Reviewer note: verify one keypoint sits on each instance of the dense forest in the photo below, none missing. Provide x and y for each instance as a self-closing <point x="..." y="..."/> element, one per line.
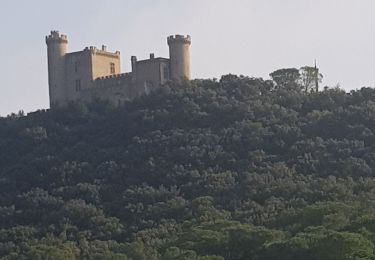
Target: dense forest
<point x="235" y="168"/>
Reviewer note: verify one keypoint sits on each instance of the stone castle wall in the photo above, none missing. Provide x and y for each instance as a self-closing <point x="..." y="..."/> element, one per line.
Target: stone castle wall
<point x="77" y="67"/>
<point x="94" y="73"/>
<point x="116" y="89"/>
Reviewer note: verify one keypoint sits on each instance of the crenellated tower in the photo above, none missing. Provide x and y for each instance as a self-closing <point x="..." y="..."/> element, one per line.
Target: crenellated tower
<point x="179" y="55"/>
<point x="56" y="51"/>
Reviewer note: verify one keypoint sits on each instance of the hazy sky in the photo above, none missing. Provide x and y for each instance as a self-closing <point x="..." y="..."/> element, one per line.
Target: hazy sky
<point x="249" y="37"/>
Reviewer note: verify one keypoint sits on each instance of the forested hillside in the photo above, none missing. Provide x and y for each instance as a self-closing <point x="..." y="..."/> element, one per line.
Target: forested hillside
<point x="236" y="168"/>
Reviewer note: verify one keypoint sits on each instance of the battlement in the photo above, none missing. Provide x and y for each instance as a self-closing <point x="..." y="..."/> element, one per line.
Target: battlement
<point x="103" y="51"/>
<point x="179" y="39"/>
<point x="115" y="76"/>
<point x="56" y="37"/>
<point x="122" y="80"/>
<point x="152" y="59"/>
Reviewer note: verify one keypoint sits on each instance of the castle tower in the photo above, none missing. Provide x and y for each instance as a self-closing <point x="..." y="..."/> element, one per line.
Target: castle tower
<point x="56" y="50"/>
<point x="179" y="55"/>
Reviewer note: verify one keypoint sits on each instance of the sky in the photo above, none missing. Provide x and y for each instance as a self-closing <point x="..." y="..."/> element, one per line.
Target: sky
<point x="244" y="37"/>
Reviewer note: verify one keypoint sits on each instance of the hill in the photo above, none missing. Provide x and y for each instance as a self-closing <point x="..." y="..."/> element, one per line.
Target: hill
<point x="239" y="168"/>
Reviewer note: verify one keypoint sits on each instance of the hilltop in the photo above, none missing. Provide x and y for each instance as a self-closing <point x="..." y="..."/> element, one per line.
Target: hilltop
<point x="236" y="168"/>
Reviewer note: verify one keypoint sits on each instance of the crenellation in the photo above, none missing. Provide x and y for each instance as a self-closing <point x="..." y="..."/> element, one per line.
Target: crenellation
<point x="122" y="75"/>
<point x="55" y="36"/>
<point x="107" y="53"/>
<point x="103" y="51"/>
<point x="151" y="60"/>
<point x="178" y="39"/>
<point x="95" y="73"/>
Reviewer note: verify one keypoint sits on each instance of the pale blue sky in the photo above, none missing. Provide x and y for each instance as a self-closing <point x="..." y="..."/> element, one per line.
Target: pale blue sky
<point x="250" y="37"/>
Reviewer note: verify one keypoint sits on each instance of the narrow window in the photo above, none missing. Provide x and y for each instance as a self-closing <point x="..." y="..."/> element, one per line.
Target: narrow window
<point x="78" y="85"/>
<point x="112" y="68"/>
<point x="166" y="73"/>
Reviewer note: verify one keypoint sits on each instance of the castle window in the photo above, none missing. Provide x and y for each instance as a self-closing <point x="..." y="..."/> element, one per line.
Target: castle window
<point x="78" y="85"/>
<point x="112" y="68"/>
<point x="76" y="66"/>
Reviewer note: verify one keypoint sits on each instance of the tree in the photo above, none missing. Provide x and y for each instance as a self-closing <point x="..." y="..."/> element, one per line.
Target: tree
<point x="310" y="78"/>
<point x="344" y="246"/>
<point x="287" y="78"/>
<point x="239" y="168"/>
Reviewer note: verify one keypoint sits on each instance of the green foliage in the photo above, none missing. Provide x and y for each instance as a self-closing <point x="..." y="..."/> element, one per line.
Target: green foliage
<point x="236" y="168"/>
<point x="286" y="78"/>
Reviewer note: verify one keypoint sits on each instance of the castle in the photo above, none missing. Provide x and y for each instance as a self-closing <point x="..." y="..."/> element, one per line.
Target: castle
<point x="94" y="73"/>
